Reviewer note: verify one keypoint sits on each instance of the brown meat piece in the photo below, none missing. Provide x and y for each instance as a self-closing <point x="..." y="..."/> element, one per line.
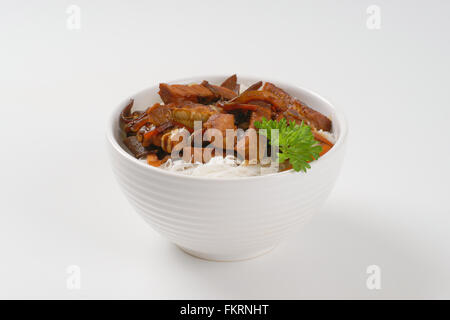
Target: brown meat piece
<point x="159" y="114"/>
<point x="171" y="139"/>
<point x="224" y="93"/>
<point x="197" y="93"/>
<point x="248" y="148"/>
<point x="134" y="125"/>
<point x="292" y="115"/>
<point x="187" y="114"/>
<point x="153" y="136"/>
<point x="280" y="93"/>
<point x="125" y="115"/>
<point x="254" y="86"/>
<point x="221" y="122"/>
<point x="231" y="83"/>
<point x="315" y="118"/>
<point x="180" y="92"/>
<point x="135" y="147"/>
<point x="310" y="116"/>
<point x="220" y="93"/>
<point x="259" y="114"/>
<point x="276" y="103"/>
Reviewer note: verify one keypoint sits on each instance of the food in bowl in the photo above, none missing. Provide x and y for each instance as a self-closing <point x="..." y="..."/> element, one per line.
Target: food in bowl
<point x="203" y="129"/>
<point x="219" y="218"/>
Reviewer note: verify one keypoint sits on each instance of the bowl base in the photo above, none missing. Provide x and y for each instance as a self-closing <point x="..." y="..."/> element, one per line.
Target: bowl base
<point x="227" y="257"/>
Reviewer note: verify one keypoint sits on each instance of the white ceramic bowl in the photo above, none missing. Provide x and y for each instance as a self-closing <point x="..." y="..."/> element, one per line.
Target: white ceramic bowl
<point x="226" y="219"/>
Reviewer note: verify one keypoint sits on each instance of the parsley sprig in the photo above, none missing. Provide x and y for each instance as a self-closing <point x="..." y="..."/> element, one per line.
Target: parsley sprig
<point x="296" y="143"/>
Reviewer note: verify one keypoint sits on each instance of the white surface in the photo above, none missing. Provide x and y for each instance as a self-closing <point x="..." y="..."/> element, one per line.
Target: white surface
<point x="61" y="206"/>
<point x="227" y="219"/>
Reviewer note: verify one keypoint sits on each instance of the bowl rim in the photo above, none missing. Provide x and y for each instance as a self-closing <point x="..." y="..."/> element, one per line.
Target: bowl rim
<point x="338" y="113"/>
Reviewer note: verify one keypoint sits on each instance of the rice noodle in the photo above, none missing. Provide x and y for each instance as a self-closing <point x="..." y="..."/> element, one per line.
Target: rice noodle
<point x="227" y="167"/>
<point x="328" y="135"/>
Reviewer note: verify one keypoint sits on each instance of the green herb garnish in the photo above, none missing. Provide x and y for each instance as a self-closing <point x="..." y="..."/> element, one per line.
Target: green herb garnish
<point x="296" y="143"/>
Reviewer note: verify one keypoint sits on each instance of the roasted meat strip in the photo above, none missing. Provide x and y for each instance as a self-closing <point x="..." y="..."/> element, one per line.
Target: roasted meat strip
<point x="204" y="93"/>
<point x="135" y="147"/>
<point x="221" y="122"/>
<point x="187" y="114"/>
<point x="231" y="83"/>
<point x="304" y="113"/>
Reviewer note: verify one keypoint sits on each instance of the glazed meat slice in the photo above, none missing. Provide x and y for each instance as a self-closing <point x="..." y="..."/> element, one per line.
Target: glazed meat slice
<point x="310" y="116"/>
<point x="231" y="83"/>
<point x="220" y="93"/>
<point x="153" y="135"/>
<point x="315" y="118"/>
<point x="254" y="86"/>
<point x="189" y="113"/>
<point x="198" y="93"/>
<point x="276" y="103"/>
<point x="277" y="91"/>
<point x="174" y="139"/>
<point x="126" y="116"/>
<point x="159" y="114"/>
<point x="137" y="123"/>
<point x="248" y="147"/>
<point x="264" y="111"/>
<point x="221" y="122"/>
<point x="177" y="93"/>
<point x="292" y="114"/>
<point x="225" y="94"/>
<point x="135" y="147"/>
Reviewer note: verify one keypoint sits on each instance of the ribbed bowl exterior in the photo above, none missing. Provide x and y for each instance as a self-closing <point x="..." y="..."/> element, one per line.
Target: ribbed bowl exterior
<point x="225" y="219"/>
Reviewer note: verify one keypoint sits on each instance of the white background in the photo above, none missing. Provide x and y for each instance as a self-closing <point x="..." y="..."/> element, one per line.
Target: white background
<point x="61" y="206"/>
